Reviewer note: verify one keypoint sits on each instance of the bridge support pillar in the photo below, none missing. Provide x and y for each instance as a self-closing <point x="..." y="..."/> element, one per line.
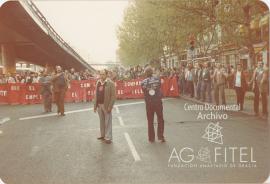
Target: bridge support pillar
<point x="8" y="58"/>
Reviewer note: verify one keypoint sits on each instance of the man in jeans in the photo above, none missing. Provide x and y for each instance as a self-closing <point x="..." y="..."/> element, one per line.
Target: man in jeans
<point x="103" y="103"/>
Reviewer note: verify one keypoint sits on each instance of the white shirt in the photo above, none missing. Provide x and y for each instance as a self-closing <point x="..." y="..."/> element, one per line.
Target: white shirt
<point x="35" y="80"/>
<point x="238" y="79"/>
<point x="11" y="80"/>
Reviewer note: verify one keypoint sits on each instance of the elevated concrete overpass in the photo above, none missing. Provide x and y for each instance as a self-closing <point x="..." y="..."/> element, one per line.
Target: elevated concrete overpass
<point x="25" y="34"/>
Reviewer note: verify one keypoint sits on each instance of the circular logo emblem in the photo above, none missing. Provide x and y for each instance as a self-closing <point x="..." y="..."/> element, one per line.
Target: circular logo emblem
<point x="152" y="92"/>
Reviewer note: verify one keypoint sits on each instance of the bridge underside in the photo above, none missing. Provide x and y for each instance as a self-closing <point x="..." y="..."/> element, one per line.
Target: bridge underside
<point x="22" y="38"/>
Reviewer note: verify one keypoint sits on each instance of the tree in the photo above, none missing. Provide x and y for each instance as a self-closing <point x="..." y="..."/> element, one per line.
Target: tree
<point x="153" y="29"/>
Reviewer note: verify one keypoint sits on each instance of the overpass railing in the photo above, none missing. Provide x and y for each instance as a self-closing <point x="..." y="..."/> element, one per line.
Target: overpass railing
<point x="50" y="31"/>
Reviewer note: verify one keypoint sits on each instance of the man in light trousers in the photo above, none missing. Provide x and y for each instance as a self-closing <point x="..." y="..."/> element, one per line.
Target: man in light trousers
<point x="103" y="103"/>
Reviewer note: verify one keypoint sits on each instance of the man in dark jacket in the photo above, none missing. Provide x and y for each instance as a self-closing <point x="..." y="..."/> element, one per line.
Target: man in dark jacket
<point x="60" y="85"/>
<point x="206" y="82"/>
<point x="240" y="85"/>
<point x="260" y="87"/>
<point x="152" y="95"/>
<point x="46" y="91"/>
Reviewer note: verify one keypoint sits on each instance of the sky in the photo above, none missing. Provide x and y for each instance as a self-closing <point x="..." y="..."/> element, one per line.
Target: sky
<point x="88" y="26"/>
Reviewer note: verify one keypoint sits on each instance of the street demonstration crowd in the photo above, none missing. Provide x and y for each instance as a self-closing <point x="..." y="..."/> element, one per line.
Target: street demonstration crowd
<point x="204" y="81"/>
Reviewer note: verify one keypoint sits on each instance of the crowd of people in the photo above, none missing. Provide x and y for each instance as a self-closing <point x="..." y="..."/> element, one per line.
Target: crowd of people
<point x="33" y="77"/>
<point x="205" y="81"/>
<point x="116" y="73"/>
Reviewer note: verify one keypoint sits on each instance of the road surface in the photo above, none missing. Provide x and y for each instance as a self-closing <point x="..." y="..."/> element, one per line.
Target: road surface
<point x="45" y="148"/>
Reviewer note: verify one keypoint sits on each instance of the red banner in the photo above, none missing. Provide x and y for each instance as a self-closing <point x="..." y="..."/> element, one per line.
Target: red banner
<point x="81" y="91"/>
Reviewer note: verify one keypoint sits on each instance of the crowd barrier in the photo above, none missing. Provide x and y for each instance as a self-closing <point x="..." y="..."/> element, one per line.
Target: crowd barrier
<point x="81" y="91"/>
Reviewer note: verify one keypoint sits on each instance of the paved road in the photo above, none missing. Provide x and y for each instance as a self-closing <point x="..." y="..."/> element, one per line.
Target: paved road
<point x="44" y="148"/>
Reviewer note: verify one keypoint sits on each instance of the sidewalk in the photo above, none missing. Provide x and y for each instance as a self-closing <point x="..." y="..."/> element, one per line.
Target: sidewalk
<point x="231" y="99"/>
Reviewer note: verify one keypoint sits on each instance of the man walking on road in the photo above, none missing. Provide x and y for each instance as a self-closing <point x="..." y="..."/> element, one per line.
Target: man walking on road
<point x="152" y="95"/>
<point x="103" y="103"/>
<point x="60" y="85"/>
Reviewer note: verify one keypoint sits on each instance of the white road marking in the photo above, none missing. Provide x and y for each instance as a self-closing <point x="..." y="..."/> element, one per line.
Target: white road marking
<point x="4" y="120"/>
<point x="132" y="147"/>
<point x="135" y="103"/>
<point x="115" y="127"/>
<point x="1" y="182"/>
<point x="121" y="122"/>
<point x="128" y="104"/>
<point x="268" y="180"/>
<point x="81" y="110"/>
<point x="54" y="114"/>
<point x="117" y="110"/>
<point x="1" y="132"/>
<point x="38" y="116"/>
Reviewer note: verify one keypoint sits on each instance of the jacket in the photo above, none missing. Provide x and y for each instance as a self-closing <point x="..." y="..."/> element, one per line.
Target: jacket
<point x="109" y="94"/>
<point x="264" y="84"/>
<point x="60" y="82"/>
<point x="244" y="84"/>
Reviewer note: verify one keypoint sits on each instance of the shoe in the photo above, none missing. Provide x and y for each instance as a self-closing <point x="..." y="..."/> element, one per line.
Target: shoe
<point x="100" y="138"/>
<point x="107" y="141"/>
<point x="162" y="140"/>
<point x="151" y="141"/>
<point x="63" y="114"/>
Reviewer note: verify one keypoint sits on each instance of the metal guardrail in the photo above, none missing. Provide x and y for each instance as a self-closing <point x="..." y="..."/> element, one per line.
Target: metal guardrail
<point x="60" y="41"/>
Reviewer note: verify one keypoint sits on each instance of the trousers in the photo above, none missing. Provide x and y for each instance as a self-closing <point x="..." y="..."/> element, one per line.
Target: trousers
<point x="105" y="122"/>
<point x="153" y="108"/>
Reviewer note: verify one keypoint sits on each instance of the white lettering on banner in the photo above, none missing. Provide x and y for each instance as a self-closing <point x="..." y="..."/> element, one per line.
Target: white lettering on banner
<point x="133" y="83"/>
<point x="15" y="88"/>
<point x="73" y="94"/>
<point x="3" y="93"/>
<point x="31" y="88"/>
<point x="91" y="93"/>
<point x="31" y="91"/>
<point x="85" y="85"/>
<point x="137" y="91"/>
<point x="120" y="92"/>
<point x="32" y="97"/>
